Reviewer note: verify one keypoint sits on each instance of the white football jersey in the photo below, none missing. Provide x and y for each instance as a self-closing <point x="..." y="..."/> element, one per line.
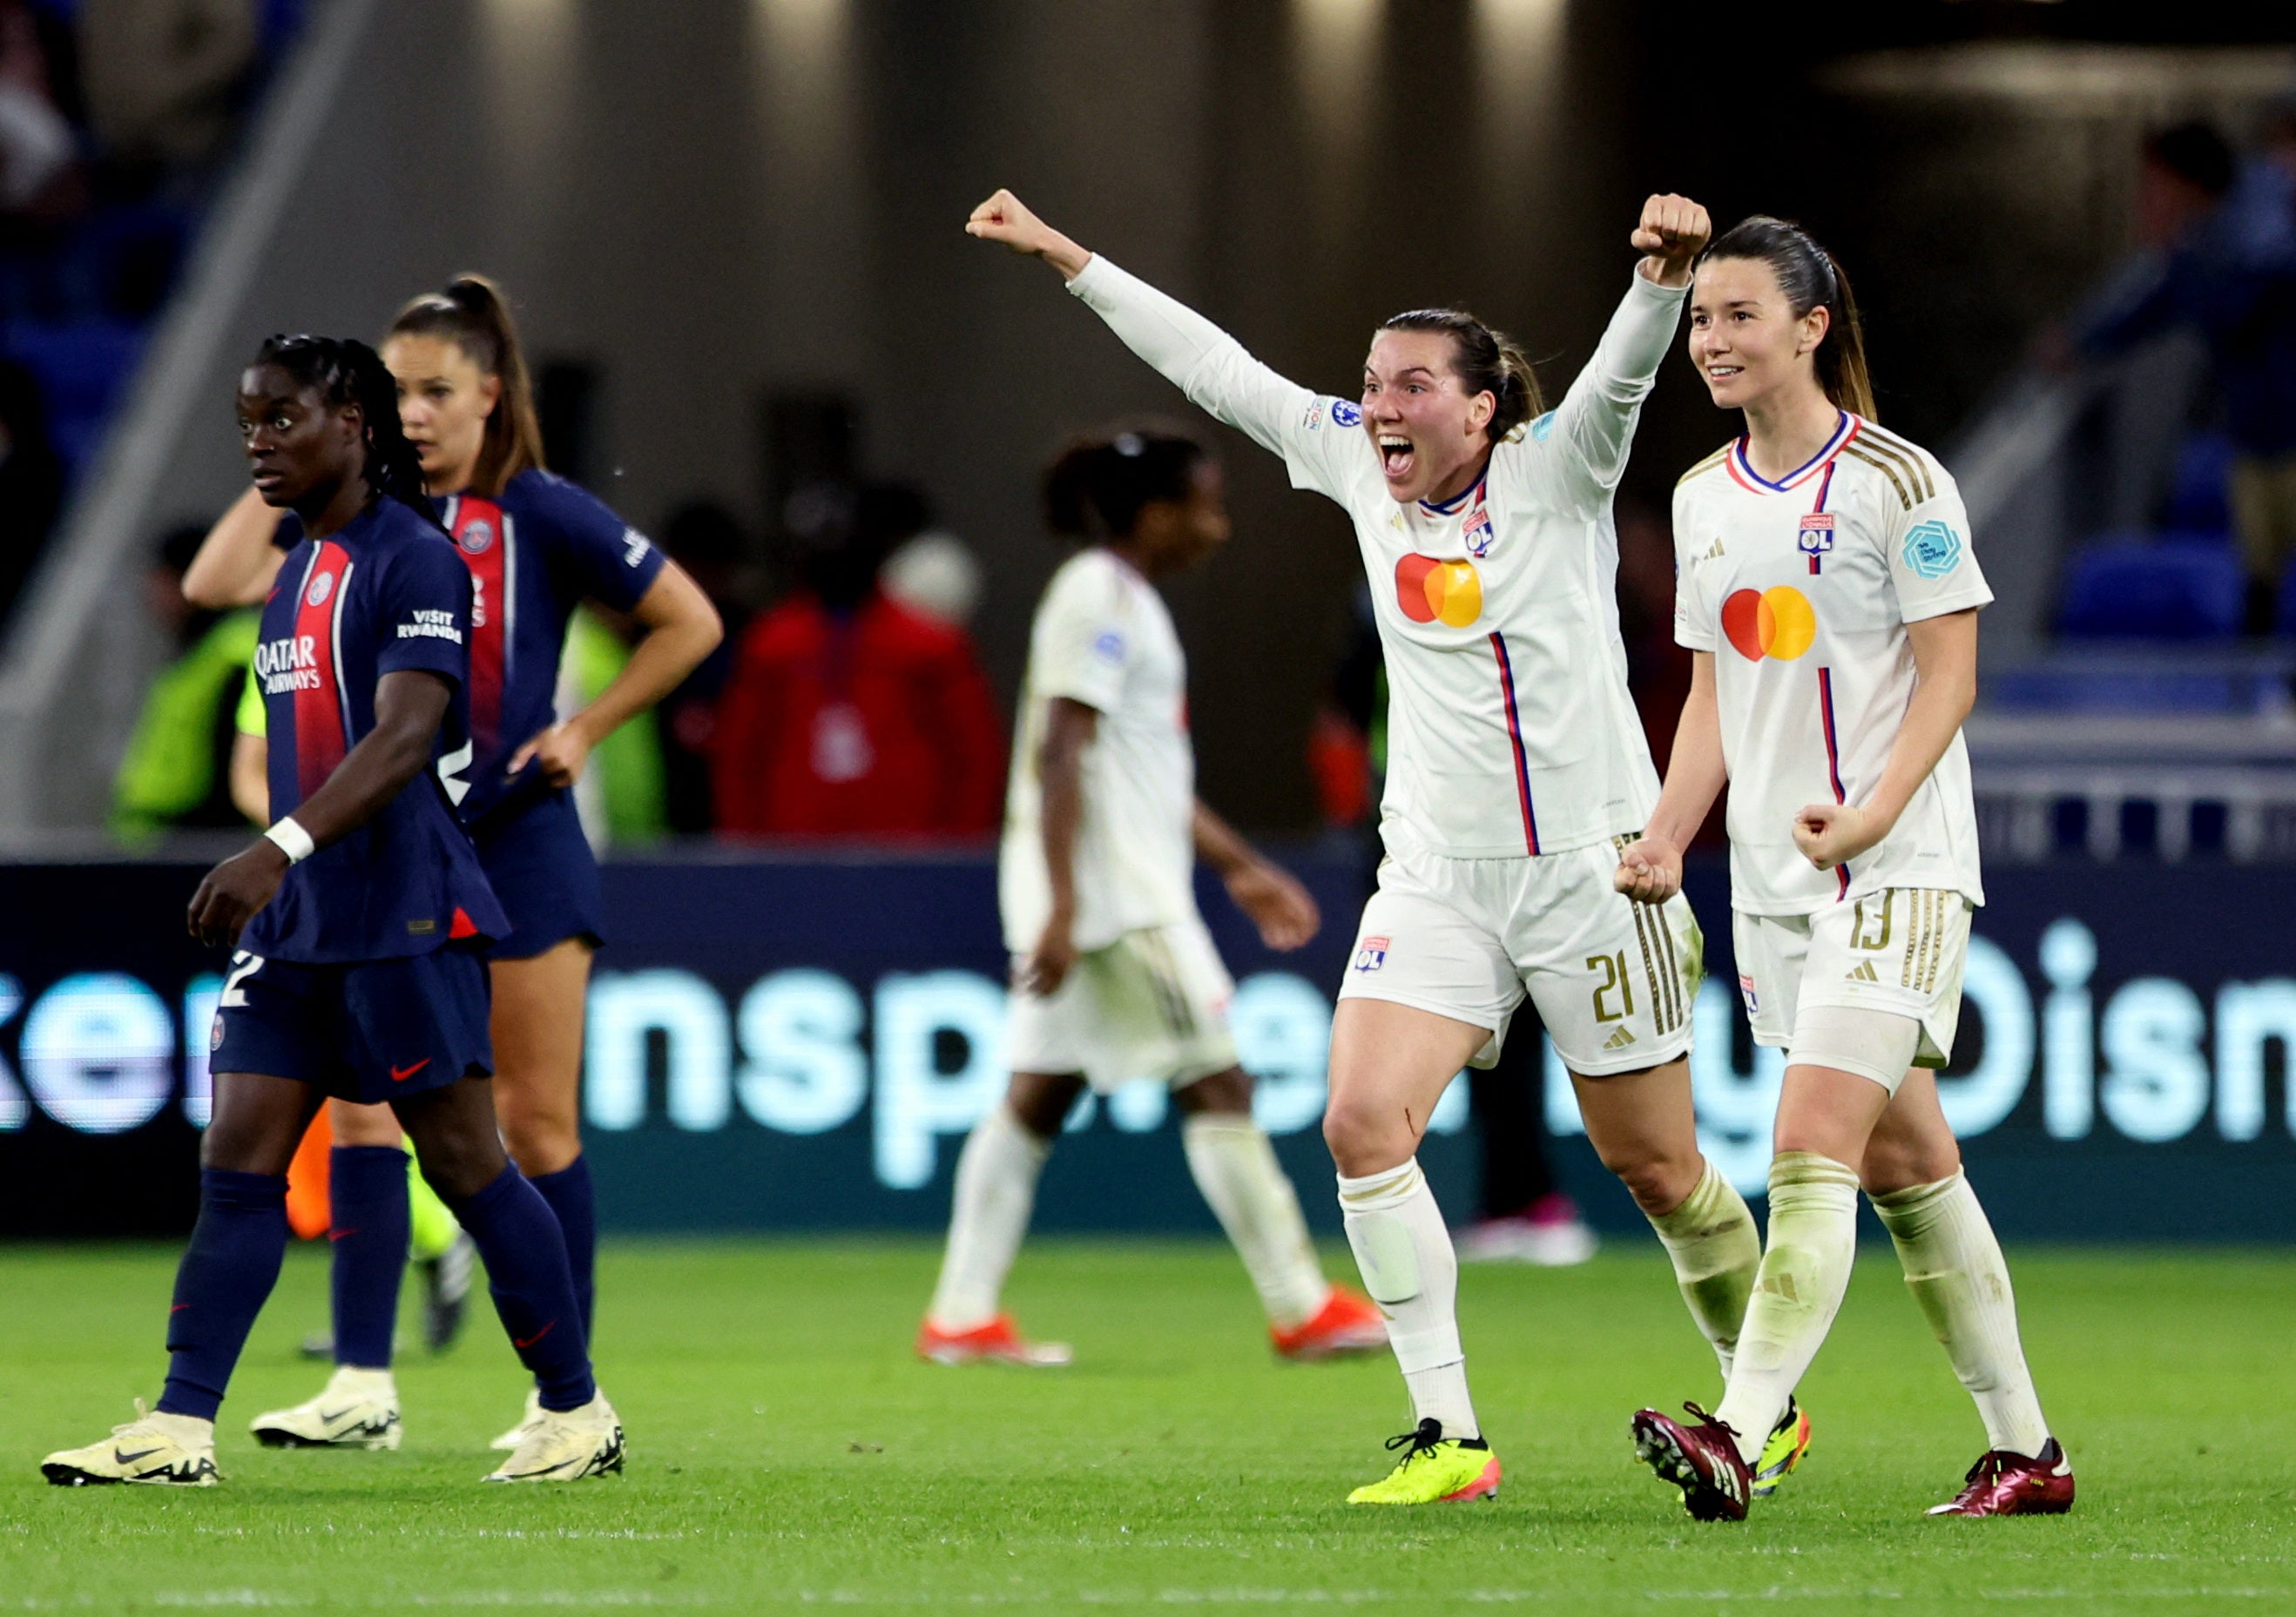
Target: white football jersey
<point x="1102" y="637"/>
<point x="1802" y="590"/>
<point x="1510" y="731"/>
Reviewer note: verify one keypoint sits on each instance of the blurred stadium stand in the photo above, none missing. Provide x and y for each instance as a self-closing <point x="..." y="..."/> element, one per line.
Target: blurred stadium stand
<point x="711" y="206"/>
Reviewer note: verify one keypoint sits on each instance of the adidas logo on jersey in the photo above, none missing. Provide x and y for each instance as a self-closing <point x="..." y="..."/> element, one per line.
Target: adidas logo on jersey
<point x="1619" y="1040"/>
<point x="1864" y="974"/>
<point x="1715" y="554"/>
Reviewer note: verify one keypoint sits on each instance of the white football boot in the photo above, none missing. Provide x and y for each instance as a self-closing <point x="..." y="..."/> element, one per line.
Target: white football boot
<point x="152" y="1448"/>
<point x="563" y="1445"/>
<point x="357" y="1409"/>
<point x="509" y="1440"/>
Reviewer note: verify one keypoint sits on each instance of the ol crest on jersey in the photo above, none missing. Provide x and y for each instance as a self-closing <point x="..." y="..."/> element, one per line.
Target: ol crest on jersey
<point x="1476" y="531"/>
<point x="1371" y="954"/>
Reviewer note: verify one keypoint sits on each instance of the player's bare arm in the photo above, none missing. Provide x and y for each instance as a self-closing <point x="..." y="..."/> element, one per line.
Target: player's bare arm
<point x="409" y="705"/>
<point x="1672" y="232"/>
<point x="1069" y="727"/>
<point x="1005" y="218"/>
<point x="237" y="562"/>
<point x="1650" y="869"/>
<point x="680" y="628"/>
<point x="1945" y="660"/>
<point x="1283" y="911"/>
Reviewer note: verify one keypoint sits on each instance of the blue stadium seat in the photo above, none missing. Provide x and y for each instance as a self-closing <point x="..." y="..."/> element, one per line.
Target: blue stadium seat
<point x="2198" y="498"/>
<point x="82" y="367"/>
<point x="2176" y="587"/>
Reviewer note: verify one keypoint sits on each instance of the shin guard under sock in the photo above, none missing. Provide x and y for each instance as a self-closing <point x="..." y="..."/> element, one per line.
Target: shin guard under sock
<point x="368" y="1229"/>
<point x="570" y="1197"/>
<point x="519" y="1241"/>
<point x="227" y="1271"/>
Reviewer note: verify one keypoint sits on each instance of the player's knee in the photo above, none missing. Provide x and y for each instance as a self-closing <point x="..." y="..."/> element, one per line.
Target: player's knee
<point x="1041" y="1101"/>
<point x="1365" y="1137"/>
<point x="1659" y="1179"/>
<point x="541" y="1140"/>
<point x="1901" y="1164"/>
<point x="1227" y="1093"/>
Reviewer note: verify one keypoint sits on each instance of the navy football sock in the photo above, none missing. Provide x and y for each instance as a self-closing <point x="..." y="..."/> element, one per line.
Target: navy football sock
<point x="227" y="1271"/>
<point x="519" y="1241"/>
<point x="369" y="1223"/>
<point x="570" y="1197"/>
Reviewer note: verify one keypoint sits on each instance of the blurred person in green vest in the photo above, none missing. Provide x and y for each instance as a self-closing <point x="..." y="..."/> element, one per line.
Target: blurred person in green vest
<point x="176" y="769"/>
<point x="621" y="797"/>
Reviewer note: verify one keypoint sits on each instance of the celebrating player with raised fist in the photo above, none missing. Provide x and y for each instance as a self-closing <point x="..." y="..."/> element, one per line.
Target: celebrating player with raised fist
<point x="1829" y="596"/>
<point x="1517" y="770"/>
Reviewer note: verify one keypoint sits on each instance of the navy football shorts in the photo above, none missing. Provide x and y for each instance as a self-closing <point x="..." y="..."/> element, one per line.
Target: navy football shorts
<point x="541" y="867"/>
<point x="373" y="1031"/>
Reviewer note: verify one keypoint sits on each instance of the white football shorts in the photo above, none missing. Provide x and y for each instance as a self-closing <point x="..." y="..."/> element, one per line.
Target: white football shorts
<point x="1899" y="950"/>
<point x="1467" y="938"/>
<point x="1153" y="1004"/>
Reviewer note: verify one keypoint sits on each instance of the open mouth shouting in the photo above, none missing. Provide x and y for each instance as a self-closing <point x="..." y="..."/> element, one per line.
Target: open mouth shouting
<point x="1395" y="456"/>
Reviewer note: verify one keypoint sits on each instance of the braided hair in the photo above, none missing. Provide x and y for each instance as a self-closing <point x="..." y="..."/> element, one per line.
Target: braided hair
<point x="344" y="370"/>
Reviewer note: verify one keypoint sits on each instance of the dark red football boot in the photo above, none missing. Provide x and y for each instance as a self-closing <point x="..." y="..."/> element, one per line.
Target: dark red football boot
<point x="2005" y="1484"/>
<point x="1701" y="1459"/>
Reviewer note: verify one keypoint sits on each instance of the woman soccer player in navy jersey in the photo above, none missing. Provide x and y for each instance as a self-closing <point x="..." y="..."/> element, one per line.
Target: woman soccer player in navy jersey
<point x="358" y="921"/>
<point x="535" y="547"/>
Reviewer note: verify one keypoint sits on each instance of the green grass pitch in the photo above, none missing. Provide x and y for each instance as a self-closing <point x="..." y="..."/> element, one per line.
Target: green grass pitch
<point x="786" y="1450"/>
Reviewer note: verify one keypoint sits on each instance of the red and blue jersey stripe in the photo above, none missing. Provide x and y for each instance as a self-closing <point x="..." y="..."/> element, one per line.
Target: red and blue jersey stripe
<point x="1514" y="735"/>
<point x="1832" y="764"/>
<point x="322" y="721"/>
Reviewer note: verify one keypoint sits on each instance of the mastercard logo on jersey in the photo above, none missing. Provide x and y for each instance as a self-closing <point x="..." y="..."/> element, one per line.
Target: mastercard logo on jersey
<point x="1434" y="591"/>
<point x="1777" y="621"/>
<point x="476" y="536"/>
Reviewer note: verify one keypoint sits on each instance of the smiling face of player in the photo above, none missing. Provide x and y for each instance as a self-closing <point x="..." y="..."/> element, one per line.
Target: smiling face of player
<point x="443" y="401"/>
<point x="1745" y="339"/>
<point x="1172" y="536"/>
<point x="1432" y="434"/>
<point x="301" y="450"/>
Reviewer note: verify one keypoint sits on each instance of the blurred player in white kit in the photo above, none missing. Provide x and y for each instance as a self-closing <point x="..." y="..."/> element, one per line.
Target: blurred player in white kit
<point x="1115" y="976"/>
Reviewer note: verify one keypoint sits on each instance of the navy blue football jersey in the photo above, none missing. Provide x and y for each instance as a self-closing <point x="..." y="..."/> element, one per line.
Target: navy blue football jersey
<point x="384" y="594"/>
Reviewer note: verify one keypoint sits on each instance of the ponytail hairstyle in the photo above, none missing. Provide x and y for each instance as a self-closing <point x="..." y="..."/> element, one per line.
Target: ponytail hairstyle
<point x="1485" y="361"/>
<point x="343" y="371"/>
<point x="1810" y="278"/>
<point x="1097" y="486"/>
<point x="473" y="315"/>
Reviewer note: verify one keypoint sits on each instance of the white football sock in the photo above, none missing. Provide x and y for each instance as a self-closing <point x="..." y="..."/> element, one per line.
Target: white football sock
<point x="996" y="1191"/>
<point x="1716" y="1250"/>
<point x="1235" y="1168"/>
<point x="1797" y="1291"/>
<point x="1404" y="1252"/>
<point x="1956" y="1271"/>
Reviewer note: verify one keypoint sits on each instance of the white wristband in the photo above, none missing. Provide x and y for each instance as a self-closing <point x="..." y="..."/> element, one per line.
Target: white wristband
<point x="292" y="840"/>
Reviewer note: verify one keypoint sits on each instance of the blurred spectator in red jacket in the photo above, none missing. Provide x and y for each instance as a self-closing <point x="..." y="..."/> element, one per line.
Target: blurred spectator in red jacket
<point x="849" y="714"/>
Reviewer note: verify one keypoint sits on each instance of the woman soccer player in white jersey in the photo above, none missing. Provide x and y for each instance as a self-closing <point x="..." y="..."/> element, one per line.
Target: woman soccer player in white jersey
<point x="1517" y="768"/>
<point x="1114" y="975"/>
<point x="1829" y="595"/>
